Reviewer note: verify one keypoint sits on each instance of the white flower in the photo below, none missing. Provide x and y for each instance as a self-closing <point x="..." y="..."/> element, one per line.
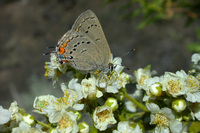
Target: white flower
<point x="25" y="128"/>
<point x="175" y="84"/>
<point x="113" y="80"/>
<point x="193" y="94"/>
<point x="53" y="66"/>
<point x="15" y="118"/>
<point x="117" y="81"/>
<point x="4" y="115"/>
<point x="41" y="102"/>
<point x="112" y="83"/>
<point x="117" y="64"/>
<point x="141" y="76"/>
<point x="89" y="89"/>
<point x="164" y="119"/>
<point x="73" y="85"/>
<point x="124" y="79"/>
<point x="195" y="58"/>
<point x="56" y="105"/>
<point x="73" y="94"/>
<point x="15" y="112"/>
<point x="130" y="106"/>
<point x="103" y="116"/>
<point x="51" y="105"/>
<point x="123" y="127"/>
<point x="153" y="88"/>
<point x="66" y="122"/>
<point x="182" y="84"/>
<point x="195" y="110"/>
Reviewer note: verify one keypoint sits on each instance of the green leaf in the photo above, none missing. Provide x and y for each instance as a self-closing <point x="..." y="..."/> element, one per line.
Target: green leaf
<point x="198" y="32"/>
<point x="194" y="127"/>
<point x="194" y="47"/>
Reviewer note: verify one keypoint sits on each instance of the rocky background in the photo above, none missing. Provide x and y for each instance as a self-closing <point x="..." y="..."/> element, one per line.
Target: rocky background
<point x="27" y="27"/>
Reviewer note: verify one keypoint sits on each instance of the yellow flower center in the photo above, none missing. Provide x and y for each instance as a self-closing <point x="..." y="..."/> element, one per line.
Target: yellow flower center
<point x="103" y="115"/>
<point x="63" y="101"/>
<point x="192" y="83"/>
<point x="161" y="120"/>
<point x="42" y="105"/>
<point x="142" y="79"/>
<point x="174" y="86"/>
<point x="65" y="122"/>
<point x="87" y="85"/>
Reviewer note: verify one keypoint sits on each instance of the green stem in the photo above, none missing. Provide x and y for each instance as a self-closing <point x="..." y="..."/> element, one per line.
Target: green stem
<point x="43" y="124"/>
<point x="135" y="102"/>
<point x="93" y="129"/>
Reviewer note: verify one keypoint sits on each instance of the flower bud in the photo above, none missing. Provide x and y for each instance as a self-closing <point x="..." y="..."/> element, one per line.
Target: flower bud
<point x="156" y="89"/>
<point x="29" y="119"/>
<point x="112" y="102"/>
<point x="83" y="127"/>
<point x="179" y="105"/>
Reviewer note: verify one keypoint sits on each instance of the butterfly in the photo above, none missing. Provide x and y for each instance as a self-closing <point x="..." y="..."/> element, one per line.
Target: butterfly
<point x="85" y="46"/>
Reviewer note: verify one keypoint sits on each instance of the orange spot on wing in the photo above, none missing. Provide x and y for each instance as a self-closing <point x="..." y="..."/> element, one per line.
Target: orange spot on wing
<point x="61" y="50"/>
<point x="64" y="45"/>
<point x="64" y="61"/>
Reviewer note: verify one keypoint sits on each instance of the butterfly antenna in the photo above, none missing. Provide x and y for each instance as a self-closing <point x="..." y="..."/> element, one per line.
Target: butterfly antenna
<point x="128" y="52"/>
<point x="128" y="68"/>
<point x="50" y="47"/>
<point x="125" y="55"/>
<point x="49" y="53"/>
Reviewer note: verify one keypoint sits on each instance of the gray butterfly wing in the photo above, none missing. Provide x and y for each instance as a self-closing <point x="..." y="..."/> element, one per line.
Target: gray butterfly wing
<point x="88" y="24"/>
<point x="79" y="50"/>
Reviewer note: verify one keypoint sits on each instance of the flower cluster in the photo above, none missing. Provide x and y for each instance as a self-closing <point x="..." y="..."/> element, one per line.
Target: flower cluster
<point x="172" y="98"/>
<point x="15" y="119"/>
<point x="98" y="101"/>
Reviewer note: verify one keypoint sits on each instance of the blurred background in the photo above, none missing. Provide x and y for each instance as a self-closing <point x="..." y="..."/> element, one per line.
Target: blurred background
<point x="164" y="33"/>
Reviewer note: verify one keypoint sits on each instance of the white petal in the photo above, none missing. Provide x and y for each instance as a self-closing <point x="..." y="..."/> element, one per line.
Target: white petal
<point x="193" y="97"/>
<point x="167" y="112"/>
<point x="4" y="115"/>
<point x="161" y="130"/>
<point x="195" y="58"/>
<point x="54" y="116"/>
<point x="112" y="89"/>
<point x="146" y="98"/>
<point x="77" y="87"/>
<point x="197" y="95"/>
<point x="175" y="126"/>
<point x="154" y="108"/>
<point x="197" y="115"/>
<point x="137" y="129"/>
<point x="78" y="106"/>
<point x="71" y="83"/>
<point x="130" y="106"/>
<point x="99" y="94"/>
<point x="115" y="131"/>
<point x="122" y="126"/>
